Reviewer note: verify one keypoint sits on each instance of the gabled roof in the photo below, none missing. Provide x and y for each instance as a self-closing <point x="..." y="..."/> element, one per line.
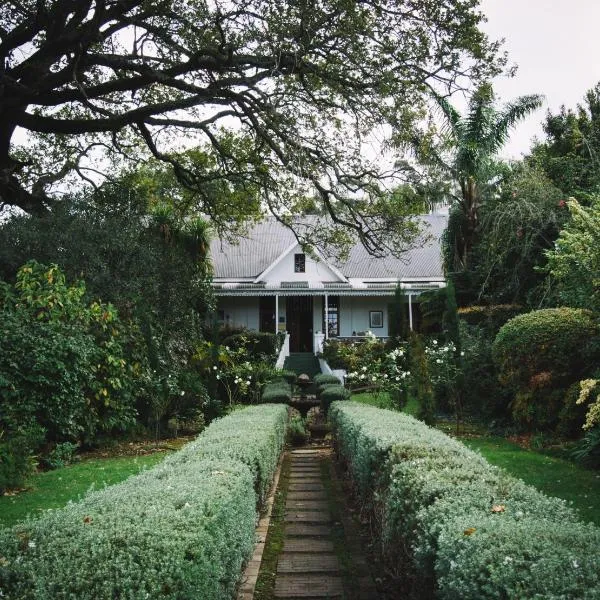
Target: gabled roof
<point x="269" y="240"/>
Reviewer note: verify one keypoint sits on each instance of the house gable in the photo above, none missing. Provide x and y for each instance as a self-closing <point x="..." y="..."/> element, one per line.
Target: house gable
<point x="316" y="269"/>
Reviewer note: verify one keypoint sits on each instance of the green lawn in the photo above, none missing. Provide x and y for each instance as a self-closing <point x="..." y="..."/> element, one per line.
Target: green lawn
<point x="552" y="475"/>
<point x="53" y="489"/>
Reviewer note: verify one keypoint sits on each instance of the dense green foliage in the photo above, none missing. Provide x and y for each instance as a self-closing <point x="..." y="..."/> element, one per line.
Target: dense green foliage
<point x="64" y="376"/>
<point x="539" y="355"/>
<point x="520" y="220"/>
<point x="491" y="318"/>
<point x="181" y="529"/>
<point x="461" y="528"/>
<point x="258" y="345"/>
<point x="574" y="263"/>
<point x="474" y="139"/>
<point x="569" y="154"/>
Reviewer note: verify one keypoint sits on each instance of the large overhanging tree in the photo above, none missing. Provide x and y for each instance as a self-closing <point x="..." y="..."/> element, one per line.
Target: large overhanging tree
<point x="279" y="95"/>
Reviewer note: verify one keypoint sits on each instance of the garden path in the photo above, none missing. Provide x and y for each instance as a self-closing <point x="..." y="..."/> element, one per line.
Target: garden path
<point x="321" y="556"/>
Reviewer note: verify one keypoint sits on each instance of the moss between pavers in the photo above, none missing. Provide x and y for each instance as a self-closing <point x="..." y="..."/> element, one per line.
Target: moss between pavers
<point x="265" y="584"/>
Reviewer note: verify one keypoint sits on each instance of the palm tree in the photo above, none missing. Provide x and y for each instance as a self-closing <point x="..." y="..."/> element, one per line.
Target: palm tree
<point x="475" y="140"/>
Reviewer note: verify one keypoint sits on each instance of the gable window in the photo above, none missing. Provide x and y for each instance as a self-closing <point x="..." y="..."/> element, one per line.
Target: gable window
<point x="299" y="263"/>
<point x="333" y="316"/>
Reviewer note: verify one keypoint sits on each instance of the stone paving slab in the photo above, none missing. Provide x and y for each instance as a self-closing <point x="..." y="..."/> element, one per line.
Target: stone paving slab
<point x="304" y="495"/>
<point x="307" y="529"/>
<point x="301" y="562"/>
<point x="304" y="479"/>
<point x="321" y="505"/>
<point x="308" y="586"/>
<point x="306" y="516"/>
<point x="305" y="469"/>
<point x="306" y="487"/>
<point x="308" y="544"/>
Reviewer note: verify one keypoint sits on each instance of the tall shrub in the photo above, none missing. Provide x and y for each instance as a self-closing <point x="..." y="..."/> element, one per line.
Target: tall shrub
<point x="539" y="355"/>
<point x="423" y="388"/>
<point x="62" y="365"/>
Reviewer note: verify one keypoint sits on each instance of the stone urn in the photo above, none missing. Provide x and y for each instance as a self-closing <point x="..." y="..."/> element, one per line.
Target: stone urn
<point x="303" y="382"/>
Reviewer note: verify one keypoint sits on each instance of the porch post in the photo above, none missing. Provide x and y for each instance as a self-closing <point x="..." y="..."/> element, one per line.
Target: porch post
<point x="410" y="316"/>
<point x="326" y="332"/>
<point x="276" y="313"/>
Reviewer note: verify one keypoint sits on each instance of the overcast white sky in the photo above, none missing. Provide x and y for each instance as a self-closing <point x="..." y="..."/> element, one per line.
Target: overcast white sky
<point x="556" y="44"/>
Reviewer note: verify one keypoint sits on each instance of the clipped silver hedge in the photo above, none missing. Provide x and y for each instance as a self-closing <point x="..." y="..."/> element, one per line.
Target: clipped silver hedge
<point x="182" y="529"/>
<point x="463" y="528"/>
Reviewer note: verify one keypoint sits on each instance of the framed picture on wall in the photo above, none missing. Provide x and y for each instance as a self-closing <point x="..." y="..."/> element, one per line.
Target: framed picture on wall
<point x="375" y="319"/>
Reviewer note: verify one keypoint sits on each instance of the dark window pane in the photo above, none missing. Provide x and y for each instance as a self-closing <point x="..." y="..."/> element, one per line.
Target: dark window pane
<point x="333" y="316"/>
<point x="299" y="263"/>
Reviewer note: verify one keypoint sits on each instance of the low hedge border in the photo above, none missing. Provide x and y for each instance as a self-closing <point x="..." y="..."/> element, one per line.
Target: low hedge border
<point x="324" y="378"/>
<point x="180" y="530"/>
<point x="460" y="527"/>
<point x="277" y="391"/>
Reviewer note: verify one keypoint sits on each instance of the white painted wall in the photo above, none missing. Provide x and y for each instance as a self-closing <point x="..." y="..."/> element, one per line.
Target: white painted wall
<point x="354" y="314"/>
<point x="315" y="270"/>
<point x="240" y="311"/>
<point x="318" y="302"/>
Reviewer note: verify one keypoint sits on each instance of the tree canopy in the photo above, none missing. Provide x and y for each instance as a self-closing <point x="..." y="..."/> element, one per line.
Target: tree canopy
<point x="468" y="152"/>
<point x="277" y="95"/>
<point x="570" y="154"/>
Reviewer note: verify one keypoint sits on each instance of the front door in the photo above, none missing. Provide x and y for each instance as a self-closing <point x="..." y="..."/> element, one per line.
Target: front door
<point x="299" y="310"/>
<point x="266" y="311"/>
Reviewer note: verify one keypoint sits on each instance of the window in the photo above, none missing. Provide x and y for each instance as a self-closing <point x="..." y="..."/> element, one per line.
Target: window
<point x="375" y="319"/>
<point x="333" y="316"/>
<point x="299" y="263"/>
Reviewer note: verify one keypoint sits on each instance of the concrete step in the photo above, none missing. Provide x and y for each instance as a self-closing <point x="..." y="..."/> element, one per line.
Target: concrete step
<point x="310" y="545"/>
<point x="306" y="516"/>
<point x="302" y="562"/>
<point x="309" y="587"/>
<point x="307" y="530"/>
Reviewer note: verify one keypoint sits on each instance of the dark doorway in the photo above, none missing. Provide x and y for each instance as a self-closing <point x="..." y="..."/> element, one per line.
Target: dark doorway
<point x="299" y="310"/>
<point x="266" y="312"/>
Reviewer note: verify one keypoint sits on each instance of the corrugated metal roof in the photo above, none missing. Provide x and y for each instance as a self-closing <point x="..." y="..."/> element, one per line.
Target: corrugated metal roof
<point x="269" y="239"/>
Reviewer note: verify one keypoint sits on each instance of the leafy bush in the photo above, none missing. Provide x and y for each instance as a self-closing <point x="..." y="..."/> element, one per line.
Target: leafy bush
<point x="332" y="393"/>
<point x="455" y="525"/>
<point x="539" y="355"/>
<point x="62" y="365"/>
<point x="289" y="376"/>
<point x="323" y="378"/>
<point x="17" y="454"/>
<point x="278" y="391"/>
<point x="483" y="395"/>
<point x="257" y="344"/>
<point x="180" y="530"/>
<point x="491" y="318"/>
<point x="60" y="456"/>
<point x="297" y="432"/>
<point x="349" y="355"/>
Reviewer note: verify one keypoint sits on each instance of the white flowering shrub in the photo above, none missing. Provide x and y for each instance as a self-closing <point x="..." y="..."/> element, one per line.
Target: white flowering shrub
<point x="433" y="493"/>
<point x="180" y="530"/>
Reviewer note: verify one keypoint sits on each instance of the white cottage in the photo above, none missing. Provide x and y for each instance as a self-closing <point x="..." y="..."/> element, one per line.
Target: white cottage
<point x="266" y="282"/>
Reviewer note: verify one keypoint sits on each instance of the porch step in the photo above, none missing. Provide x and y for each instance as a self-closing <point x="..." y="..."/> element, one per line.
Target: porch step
<point x="302" y="362"/>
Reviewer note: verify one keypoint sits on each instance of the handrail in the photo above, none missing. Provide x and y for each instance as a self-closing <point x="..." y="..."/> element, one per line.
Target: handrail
<point x="284" y="352"/>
